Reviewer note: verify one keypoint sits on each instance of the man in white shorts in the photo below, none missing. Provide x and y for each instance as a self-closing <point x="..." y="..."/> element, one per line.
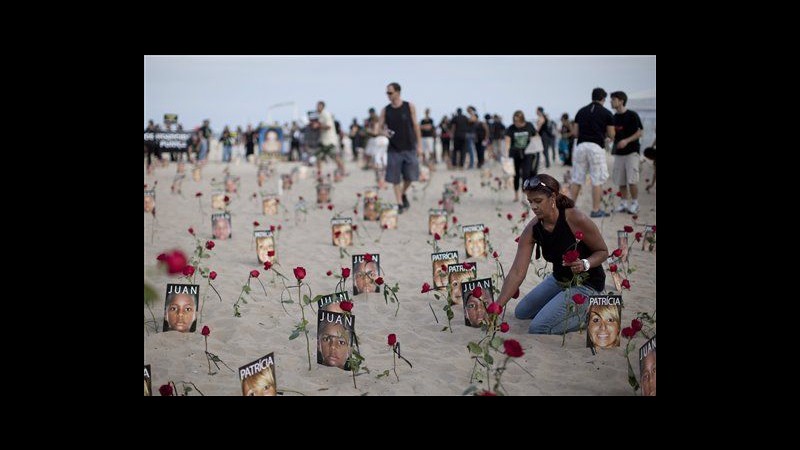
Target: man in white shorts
<point x="594" y="124"/>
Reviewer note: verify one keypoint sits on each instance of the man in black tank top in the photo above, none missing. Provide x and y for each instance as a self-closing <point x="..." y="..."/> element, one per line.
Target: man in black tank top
<point x="399" y="123"/>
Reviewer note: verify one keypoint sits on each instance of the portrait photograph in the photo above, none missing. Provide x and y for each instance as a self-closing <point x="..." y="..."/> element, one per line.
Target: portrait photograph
<point x="221" y="226"/>
<point x="365" y="273"/>
<point x="218" y="201"/>
<point x="647" y="367"/>
<point x="180" y="307"/>
<point x="258" y="377"/>
<point x="342" y="234"/>
<point x="371" y="205"/>
<point x="270" y="205"/>
<point x="475" y="307"/>
<point x="389" y="217"/>
<point x="323" y="193"/>
<point x="149" y="201"/>
<point x="603" y="326"/>
<point x="437" y="221"/>
<point x="456" y="276"/>
<point x="334" y="339"/>
<point x="439" y="263"/>
<point x="475" y="241"/>
<point x="265" y="243"/>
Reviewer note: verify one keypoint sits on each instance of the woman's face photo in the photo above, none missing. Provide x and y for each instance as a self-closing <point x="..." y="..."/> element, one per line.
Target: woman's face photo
<point x="389" y="219"/>
<point x="270" y="206"/>
<point x="604" y="326"/>
<point x="456" y="278"/>
<point x="323" y="195"/>
<point x="259" y="385"/>
<point x="218" y="201"/>
<point x="180" y="312"/>
<point x="436" y="224"/>
<point x="263" y="246"/>
<point x="222" y="229"/>
<point x="345" y="237"/>
<point x="476" y="244"/>
<point x="149" y="203"/>
<point x="440" y="272"/>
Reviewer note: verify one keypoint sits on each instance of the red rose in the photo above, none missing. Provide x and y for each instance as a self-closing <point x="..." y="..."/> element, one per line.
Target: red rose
<point x="355" y="211"/>
<point x="628" y="229"/>
<point x="165" y="390"/>
<point x="279" y="227"/>
<point x="385" y="227"/>
<point x="379" y="281"/>
<point x="255" y="223"/>
<point x="579" y="299"/>
<point x="176" y="261"/>
<point x="494" y="254"/>
<point x="267" y="265"/>
<point x="346" y="306"/>
<point x="467" y="266"/>
<point x="486" y="230"/>
<point x="329" y="273"/>
<point x="199" y="194"/>
<point x="517" y="239"/>
<point x="524" y="215"/>
<point x="299" y="272"/>
<point x="436" y="237"/>
<point x="504" y="327"/>
<point x="355" y="227"/>
<point x="212" y="275"/>
<point x="494" y="308"/>
<point x="226" y="199"/>
<point x="358" y="194"/>
<point x="516" y="294"/>
<point x="425" y="287"/>
<point x="391" y="339"/>
<point x="330" y="207"/>
<point x="477" y="292"/>
<point x="612" y="268"/>
<point x="654" y="228"/>
<point x="271" y="253"/>
<point x="254" y="273"/>
<point x="487" y="394"/>
<point x="571" y="256"/>
<point x="626" y="284"/>
<point x="444" y="268"/>
<point x="619" y="194"/>
<point x="188" y="270"/>
<point x="617" y="252"/>
<point x="455" y="219"/>
<point x="206" y="331"/>
<point x="272" y="228"/>
<point x="513" y="348"/>
<point x="345" y="272"/>
<point x="210" y="245"/>
<point x="579" y="235"/>
<point x="636" y="324"/>
<point x="634" y="217"/>
<point x="191" y="231"/>
<point x="440" y="202"/>
<point x="367" y="257"/>
<point x="628" y="332"/>
<point x="638" y="236"/>
<point x="336" y="234"/>
<point x="509" y="216"/>
<point x="162" y="257"/>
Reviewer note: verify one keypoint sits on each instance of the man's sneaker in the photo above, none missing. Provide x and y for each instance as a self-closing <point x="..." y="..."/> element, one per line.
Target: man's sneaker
<point x="599" y="213"/>
<point x="405" y="202"/>
<point x="634" y="208"/>
<point x="621" y="209"/>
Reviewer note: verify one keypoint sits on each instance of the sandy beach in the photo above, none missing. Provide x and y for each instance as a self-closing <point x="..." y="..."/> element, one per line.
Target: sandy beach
<point x="441" y="361"/>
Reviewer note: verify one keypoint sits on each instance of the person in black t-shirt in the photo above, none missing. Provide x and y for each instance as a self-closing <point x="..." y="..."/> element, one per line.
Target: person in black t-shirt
<point x="628" y="128"/>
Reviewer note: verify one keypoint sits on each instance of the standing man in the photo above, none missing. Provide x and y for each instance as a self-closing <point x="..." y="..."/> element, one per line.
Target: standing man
<point x="401" y="127"/>
<point x="328" y="140"/>
<point x="628" y="128"/>
<point x="428" y="133"/>
<point x="593" y="124"/>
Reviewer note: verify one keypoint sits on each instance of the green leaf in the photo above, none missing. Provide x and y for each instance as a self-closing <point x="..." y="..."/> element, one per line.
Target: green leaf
<point x="444" y="329"/>
<point x="470" y="390"/>
<point x="206" y="256"/>
<point x="488" y="358"/>
<point x="497" y="341"/>
<point x="475" y="348"/>
<point x="294" y="334"/>
<point x="150" y="294"/>
<point x="287" y="301"/>
<point x="385" y="373"/>
<point x="246" y="288"/>
<point x="436" y="296"/>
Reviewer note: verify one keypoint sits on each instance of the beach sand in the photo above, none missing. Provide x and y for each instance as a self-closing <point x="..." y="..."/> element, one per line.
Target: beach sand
<point x="442" y="363"/>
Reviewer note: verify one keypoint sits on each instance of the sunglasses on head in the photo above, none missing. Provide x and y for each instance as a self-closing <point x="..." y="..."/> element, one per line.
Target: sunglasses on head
<point x="534" y="183"/>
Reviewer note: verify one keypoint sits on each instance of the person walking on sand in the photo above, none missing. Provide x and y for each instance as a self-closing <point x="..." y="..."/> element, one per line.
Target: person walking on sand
<point x="399" y="123"/>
